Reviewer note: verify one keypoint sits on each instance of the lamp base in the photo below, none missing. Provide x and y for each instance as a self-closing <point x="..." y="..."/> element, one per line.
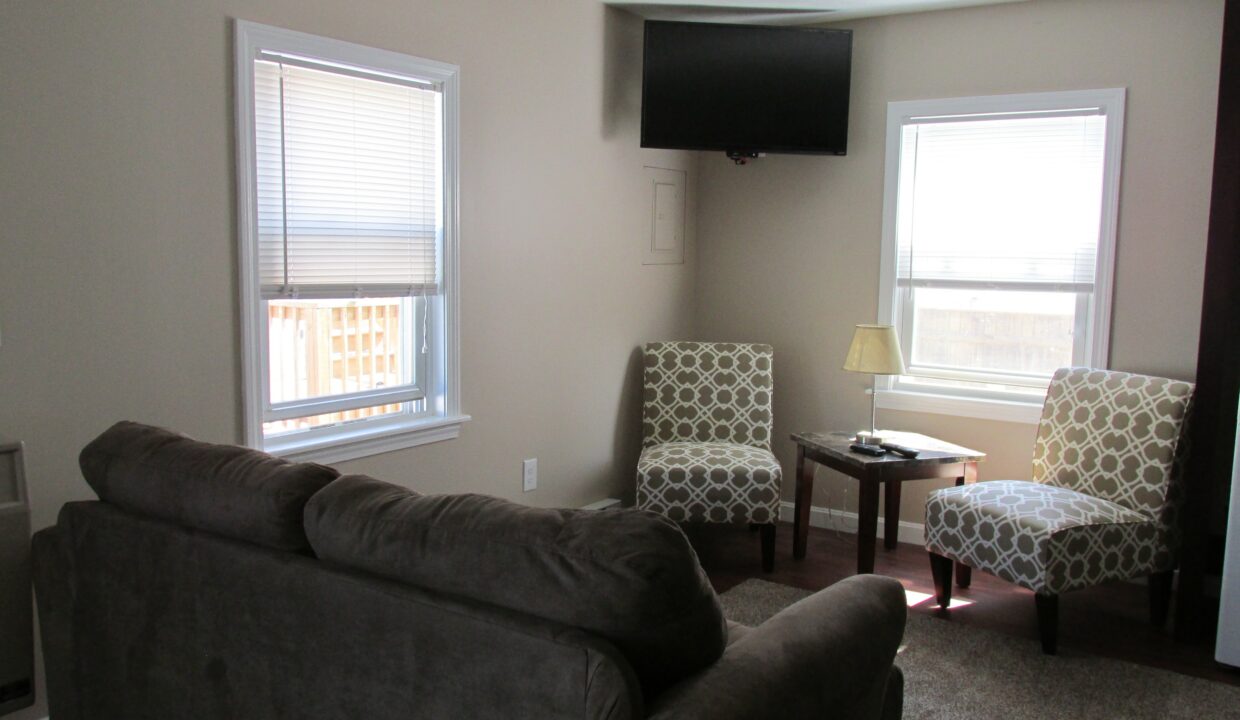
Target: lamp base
<point x="868" y="438"/>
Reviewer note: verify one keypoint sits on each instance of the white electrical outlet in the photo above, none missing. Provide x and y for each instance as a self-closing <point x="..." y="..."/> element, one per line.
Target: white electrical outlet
<point x="529" y="474"/>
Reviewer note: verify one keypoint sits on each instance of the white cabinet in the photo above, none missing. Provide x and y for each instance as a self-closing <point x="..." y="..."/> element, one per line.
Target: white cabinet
<point x="666" y="242"/>
<point x="1227" y="649"/>
<point x="16" y="631"/>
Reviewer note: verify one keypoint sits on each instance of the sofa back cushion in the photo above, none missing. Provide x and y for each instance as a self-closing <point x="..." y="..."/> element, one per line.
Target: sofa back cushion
<point x="143" y="619"/>
<point x="627" y="575"/>
<point x="231" y="491"/>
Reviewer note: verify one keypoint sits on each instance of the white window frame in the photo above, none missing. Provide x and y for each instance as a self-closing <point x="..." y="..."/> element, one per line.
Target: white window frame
<point x="441" y="385"/>
<point x="894" y="394"/>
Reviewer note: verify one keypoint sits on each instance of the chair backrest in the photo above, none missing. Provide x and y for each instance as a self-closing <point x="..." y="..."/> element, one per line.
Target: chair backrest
<point x="1114" y="435"/>
<point x="707" y="392"/>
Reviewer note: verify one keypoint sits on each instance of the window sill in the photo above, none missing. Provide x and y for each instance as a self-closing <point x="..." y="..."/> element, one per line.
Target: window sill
<point x="981" y="408"/>
<point x="364" y="442"/>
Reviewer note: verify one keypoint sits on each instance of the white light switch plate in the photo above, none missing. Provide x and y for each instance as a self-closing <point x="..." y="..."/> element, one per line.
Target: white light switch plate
<point x="529" y="474"/>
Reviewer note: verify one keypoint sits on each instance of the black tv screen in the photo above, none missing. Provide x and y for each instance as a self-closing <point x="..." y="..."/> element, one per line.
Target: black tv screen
<point x="745" y="89"/>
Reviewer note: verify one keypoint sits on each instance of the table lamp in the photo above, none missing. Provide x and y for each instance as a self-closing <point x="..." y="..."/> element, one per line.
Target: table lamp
<point x="875" y="350"/>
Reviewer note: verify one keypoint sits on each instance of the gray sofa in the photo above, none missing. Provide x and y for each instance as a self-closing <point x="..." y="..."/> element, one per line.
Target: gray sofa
<point x="218" y="582"/>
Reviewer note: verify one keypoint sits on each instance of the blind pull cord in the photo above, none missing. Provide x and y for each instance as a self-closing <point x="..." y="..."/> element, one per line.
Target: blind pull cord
<point x="426" y="323"/>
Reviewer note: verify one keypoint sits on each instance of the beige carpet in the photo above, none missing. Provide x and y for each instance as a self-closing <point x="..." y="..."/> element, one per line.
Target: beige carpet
<point x="962" y="673"/>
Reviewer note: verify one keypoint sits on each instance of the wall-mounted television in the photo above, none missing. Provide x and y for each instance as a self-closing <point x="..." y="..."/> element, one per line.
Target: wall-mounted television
<point x="745" y="89"/>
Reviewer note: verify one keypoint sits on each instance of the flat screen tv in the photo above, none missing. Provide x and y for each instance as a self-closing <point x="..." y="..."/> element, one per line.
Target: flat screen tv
<point x="745" y="89"/>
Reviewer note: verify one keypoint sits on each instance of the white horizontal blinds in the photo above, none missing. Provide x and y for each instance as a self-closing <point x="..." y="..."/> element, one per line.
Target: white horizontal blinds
<point x="1001" y="200"/>
<point x="349" y="181"/>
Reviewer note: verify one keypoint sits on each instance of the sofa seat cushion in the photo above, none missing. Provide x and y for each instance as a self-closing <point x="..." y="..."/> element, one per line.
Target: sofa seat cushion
<point x="709" y="482"/>
<point x="231" y="491"/>
<point x="1046" y="538"/>
<point x="628" y="576"/>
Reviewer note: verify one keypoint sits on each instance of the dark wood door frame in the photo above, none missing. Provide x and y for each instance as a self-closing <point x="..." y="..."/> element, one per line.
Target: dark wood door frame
<point x="1213" y="427"/>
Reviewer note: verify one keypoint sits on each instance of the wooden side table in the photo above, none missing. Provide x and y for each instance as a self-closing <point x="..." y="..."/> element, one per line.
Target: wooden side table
<point x="938" y="459"/>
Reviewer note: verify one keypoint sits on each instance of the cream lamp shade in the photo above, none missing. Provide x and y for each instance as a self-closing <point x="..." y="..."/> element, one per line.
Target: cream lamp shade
<point x="875" y="350"/>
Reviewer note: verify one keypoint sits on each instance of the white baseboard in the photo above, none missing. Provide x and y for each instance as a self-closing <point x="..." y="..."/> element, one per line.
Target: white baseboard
<point x="820" y="517"/>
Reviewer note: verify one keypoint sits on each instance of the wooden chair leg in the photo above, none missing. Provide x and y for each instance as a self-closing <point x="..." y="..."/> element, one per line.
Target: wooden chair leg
<point x="941" y="569"/>
<point x="768" y="547"/>
<point x="1048" y="621"/>
<point x="1160" y="596"/>
<point x="964" y="575"/>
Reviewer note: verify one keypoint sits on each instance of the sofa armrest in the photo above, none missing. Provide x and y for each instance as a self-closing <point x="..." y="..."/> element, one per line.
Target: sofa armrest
<point x="53" y="575"/>
<point x="829" y="655"/>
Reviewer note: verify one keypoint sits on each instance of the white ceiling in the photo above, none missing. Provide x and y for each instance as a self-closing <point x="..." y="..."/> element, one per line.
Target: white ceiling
<point x="784" y="12"/>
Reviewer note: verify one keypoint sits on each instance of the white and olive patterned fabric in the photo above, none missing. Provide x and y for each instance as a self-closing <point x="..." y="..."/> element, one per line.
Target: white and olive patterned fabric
<point x="1112" y="435"/>
<point x="707" y="392"/>
<point x="709" y="482"/>
<point x="1104" y="496"/>
<point x="1042" y="537"/>
<point x="706" y="429"/>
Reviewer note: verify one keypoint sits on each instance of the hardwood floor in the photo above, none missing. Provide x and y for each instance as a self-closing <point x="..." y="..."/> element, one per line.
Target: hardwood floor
<point x="1110" y="620"/>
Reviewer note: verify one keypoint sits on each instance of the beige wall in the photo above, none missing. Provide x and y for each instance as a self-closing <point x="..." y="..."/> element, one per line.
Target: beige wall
<point x="117" y="277"/>
<point x="789" y="250"/>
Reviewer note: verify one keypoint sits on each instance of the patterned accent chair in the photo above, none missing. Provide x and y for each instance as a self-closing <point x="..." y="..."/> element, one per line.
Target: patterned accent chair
<point x="1102" y="505"/>
<point x="706" y="436"/>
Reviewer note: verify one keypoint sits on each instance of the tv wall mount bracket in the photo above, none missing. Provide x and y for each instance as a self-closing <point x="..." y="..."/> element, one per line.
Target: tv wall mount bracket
<point x="740" y="157"/>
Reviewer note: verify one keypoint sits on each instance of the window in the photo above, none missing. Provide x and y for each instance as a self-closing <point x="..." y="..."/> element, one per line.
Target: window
<point x="346" y="185"/>
<point x="998" y="238"/>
